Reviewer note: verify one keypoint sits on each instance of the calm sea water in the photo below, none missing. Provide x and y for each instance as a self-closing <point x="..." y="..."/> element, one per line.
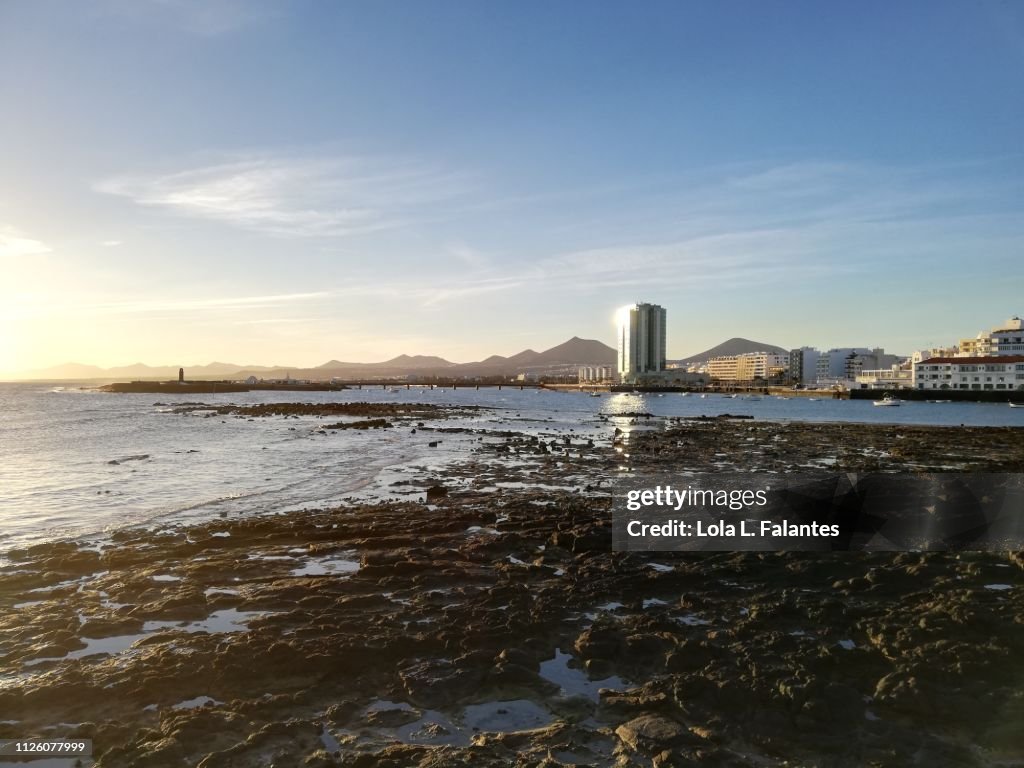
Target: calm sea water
<point x="57" y="442"/>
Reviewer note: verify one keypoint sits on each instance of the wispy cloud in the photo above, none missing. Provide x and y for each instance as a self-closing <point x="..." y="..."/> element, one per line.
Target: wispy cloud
<point x="204" y="18"/>
<point x="798" y="223"/>
<point x="470" y="257"/>
<point x="795" y="179"/>
<point x="14" y="243"/>
<point x="146" y="306"/>
<point x="111" y="243"/>
<point x="298" y="197"/>
<point x="434" y="296"/>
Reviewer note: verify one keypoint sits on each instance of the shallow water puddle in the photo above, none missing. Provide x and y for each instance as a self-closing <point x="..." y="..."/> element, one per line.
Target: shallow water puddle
<point x="219" y="622"/>
<point x="330" y="743"/>
<point x="220" y="591"/>
<point x="504" y="716"/>
<point x="327" y="566"/>
<point x="198" y="701"/>
<point x="574" y="681"/>
<point x="103" y="646"/>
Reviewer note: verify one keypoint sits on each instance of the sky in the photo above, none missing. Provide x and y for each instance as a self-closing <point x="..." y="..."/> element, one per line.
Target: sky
<point x="183" y="181"/>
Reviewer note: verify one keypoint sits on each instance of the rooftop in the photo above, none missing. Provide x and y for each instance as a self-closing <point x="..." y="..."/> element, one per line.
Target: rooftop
<point x="974" y="360"/>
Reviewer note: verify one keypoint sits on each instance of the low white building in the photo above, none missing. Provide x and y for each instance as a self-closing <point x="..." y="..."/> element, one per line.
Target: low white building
<point x="1004" y="372"/>
<point x="895" y="377"/>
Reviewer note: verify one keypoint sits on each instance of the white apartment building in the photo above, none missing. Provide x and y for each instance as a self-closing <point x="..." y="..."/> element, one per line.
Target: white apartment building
<point x="1007" y="339"/>
<point x="926" y="354"/>
<point x="845" y="363"/>
<point x="748" y="367"/>
<point x="723" y="368"/>
<point x="992" y="373"/>
<point x="832" y="365"/>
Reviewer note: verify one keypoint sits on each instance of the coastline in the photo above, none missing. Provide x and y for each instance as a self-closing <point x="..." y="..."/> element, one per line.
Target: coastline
<point x="494" y="621"/>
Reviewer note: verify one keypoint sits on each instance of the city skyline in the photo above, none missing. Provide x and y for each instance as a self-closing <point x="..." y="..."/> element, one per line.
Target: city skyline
<point x="271" y="182"/>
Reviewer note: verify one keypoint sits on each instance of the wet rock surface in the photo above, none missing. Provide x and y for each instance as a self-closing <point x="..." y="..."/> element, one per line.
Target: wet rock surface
<point x="494" y="626"/>
<point x="262" y="410"/>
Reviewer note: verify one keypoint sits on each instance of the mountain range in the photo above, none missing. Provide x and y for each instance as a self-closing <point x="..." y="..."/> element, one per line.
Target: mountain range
<point x="574" y="352"/>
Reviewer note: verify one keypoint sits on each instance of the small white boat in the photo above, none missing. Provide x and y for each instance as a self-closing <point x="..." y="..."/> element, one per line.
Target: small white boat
<point x="595" y="394"/>
<point x="704" y="395"/>
<point x="1017" y="405"/>
<point x="752" y="397"/>
<point x="684" y="394"/>
<point x="813" y="399"/>
<point x="888" y="400"/>
<point x="729" y="397"/>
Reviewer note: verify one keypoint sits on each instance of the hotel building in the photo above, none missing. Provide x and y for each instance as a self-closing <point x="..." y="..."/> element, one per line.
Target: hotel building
<point x="641" y="342"/>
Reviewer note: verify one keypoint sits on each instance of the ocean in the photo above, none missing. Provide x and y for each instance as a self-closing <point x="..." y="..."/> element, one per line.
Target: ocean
<point x="75" y="461"/>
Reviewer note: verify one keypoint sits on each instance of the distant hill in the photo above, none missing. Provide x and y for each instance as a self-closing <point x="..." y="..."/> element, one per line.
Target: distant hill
<point x="405" y="362"/>
<point x="139" y="371"/>
<point x="579" y="351"/>
<point x="418" y="361"/>
<point x="734" y="346"/>
<point x="574" y="352"/>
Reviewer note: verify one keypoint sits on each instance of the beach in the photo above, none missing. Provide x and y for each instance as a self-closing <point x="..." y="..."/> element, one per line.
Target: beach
<point x="479" y="617"/>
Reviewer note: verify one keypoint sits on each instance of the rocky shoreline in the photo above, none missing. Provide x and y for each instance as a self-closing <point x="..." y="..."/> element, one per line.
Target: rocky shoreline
<point x="494" y="626"/>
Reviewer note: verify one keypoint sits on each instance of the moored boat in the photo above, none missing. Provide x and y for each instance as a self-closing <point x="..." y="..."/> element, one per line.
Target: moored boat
<point x="888" y="400"/>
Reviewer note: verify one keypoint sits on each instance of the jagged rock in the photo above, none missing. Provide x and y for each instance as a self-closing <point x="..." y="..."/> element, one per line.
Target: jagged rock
<point x="653" y="734"/>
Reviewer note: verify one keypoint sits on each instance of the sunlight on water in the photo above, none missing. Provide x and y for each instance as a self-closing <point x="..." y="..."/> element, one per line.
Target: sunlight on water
<point x="74" y="461"/>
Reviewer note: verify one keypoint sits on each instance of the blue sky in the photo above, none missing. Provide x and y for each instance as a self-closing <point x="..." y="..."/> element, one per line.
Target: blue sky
<point x="292" y="182"/>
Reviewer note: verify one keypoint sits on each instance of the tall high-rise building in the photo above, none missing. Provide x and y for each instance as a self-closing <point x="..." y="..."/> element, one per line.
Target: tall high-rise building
<point x="641" y="341"/>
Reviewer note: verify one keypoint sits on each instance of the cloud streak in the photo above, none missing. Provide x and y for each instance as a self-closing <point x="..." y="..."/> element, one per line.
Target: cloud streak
<point x="203" y="18"/>
<point x="298" y="197"/>
<point x="236" y="303"/>
<point x="15" y="244"/>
